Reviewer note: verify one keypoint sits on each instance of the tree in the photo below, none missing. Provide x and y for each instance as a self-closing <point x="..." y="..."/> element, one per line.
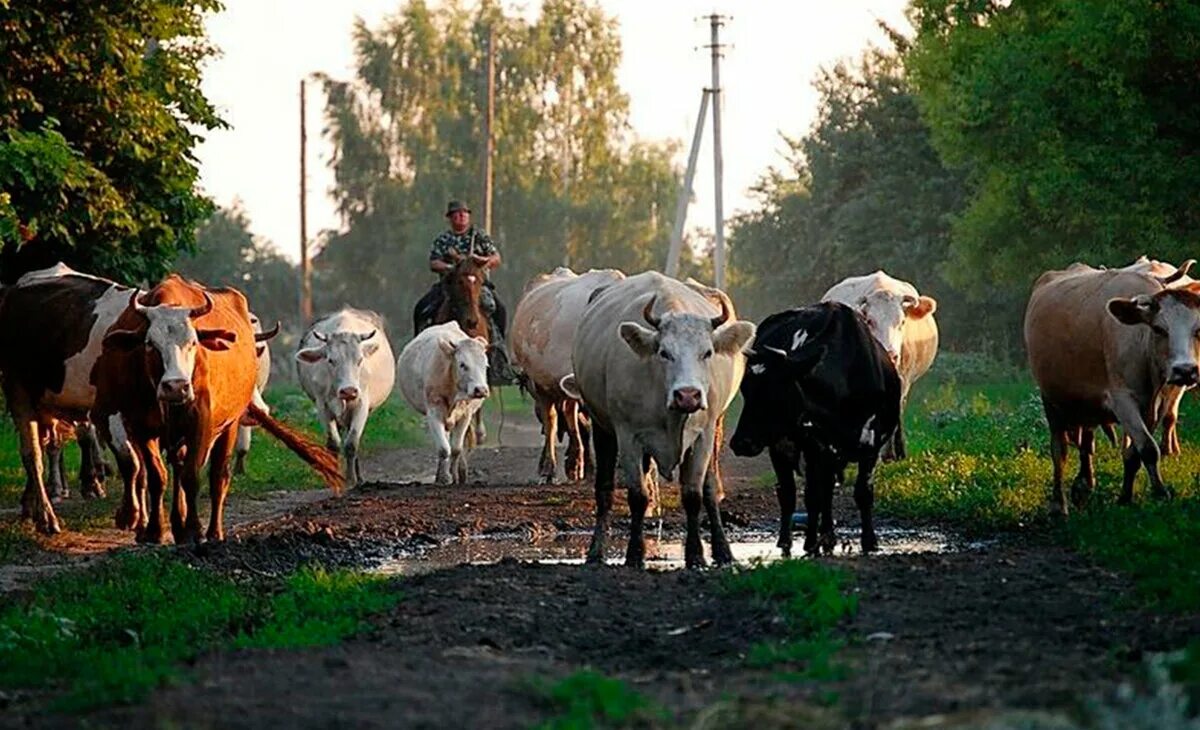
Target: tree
<point x="99" y="100"/>
<point x="571" y="186"/>
<point x="1076" y="122"/>
<point x="228" y="254"/>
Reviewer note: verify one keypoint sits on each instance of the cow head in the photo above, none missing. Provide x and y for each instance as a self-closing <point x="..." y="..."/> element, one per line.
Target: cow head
<point x="468" y="359"/>
<point x="772" y="396"/>
<point x="343" y="353"/>
<point x="683" y="343"/>
<point x="1173" y="316"/>
<point x="886" y="314"/>
<point x="171" y="341"/>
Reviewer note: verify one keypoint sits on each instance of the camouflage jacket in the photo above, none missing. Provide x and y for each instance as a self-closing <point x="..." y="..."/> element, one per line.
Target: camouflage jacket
<point x="461" y="242"/>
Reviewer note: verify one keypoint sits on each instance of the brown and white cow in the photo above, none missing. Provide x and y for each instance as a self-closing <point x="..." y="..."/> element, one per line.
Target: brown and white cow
<point x="52" y="322"/>
<point x="543" y="332"/>
<point x="178" y="373"/>
<point x="901" y="319"/>
<point x="1103" y="346"/>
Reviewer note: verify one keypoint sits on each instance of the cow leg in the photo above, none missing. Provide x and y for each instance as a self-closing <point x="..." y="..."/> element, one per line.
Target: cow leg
<point x="864" y="497"/>
<point x="585" y="442"/>
<point x="56" y="473"/>
<point x="1171" y="396"/>
<point x="111" y="429"/>
<point x="697" y="475"/>
<point x="819" y="472"/>
<point x="154" y="474"/>
<point x="241" y="449"/>
<point x="576" y="462"/>
<point x="35" y="504"/>
<point x="218" y="481"/>
<point x="358" y="424"/>
<point x="479" y="431"/>
<point x="1058" y="461"/>
<point x="436" y="423"/>
<point x="188" y="481"/>
<point x="606" y="467"/>
<point x="1085" y="481"/>
<point x="458" y="450"/>
<point x="1133" y="420"/>
<point x="91" y="461"/>
<point x="333" y="440"/>
<point x="897" y="443"/>
<point x="635" y="468"/>
<point x="785" y="490"/>
<point x="548" y="415"/>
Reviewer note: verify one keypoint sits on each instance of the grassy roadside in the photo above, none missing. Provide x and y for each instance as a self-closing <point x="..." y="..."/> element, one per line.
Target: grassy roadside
<point x="112" y="633"/>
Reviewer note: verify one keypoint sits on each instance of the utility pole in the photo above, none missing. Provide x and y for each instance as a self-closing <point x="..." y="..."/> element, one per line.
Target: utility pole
<point x="716" y="21"/>
<point x="685" y="192"/>
<point x="489" y="94"/>
<point x="306" y="311"/>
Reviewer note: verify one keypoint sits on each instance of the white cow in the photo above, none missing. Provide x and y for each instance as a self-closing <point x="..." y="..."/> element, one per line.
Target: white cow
<point x="902" y="320"/>
<point x="443" y="375"/>
<point x="346" y="367"/>
<point x="263" y="352"/>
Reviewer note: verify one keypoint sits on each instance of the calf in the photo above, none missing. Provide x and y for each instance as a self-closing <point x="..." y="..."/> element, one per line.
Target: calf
<point x="347" y="369"/>
<point x="443" y="375"/>
<point x="818" y="385"/>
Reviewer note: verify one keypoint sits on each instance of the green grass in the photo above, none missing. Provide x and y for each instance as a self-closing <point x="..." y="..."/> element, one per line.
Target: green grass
<point x="587" y="699"/>
<point x="812" y="600"/>
<point x="112" y="633"/>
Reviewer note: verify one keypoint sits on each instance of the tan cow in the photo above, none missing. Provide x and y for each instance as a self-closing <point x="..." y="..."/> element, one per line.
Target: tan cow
<point x="902" y="320"/>
<point x="1103" y="345"/>
<point x="543" y="331"/>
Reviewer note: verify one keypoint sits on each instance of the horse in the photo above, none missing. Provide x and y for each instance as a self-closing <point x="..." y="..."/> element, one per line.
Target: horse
<point x="462" y="290"/>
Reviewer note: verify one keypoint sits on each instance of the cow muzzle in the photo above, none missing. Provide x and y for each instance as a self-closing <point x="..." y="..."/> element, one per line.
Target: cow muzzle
<point x="480" y="391"/>
<point x="1186" y="374"/>
<point x="348" y="394"/>
<point x="175" y="390"/>
<point x="687" y="400"/>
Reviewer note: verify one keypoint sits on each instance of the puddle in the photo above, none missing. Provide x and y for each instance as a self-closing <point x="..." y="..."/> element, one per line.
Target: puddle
<point x="662" y="554"/>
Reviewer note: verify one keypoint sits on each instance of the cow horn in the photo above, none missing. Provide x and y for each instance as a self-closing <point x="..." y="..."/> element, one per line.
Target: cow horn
<point x="367" y="336"/>
<point x="648" y="316"/>
<point x="203" y="309"/>
<point x="723" y="317"/>
<point x="137" y="306"/>
<point x="264" y="336"/>
<point x="320" y="337"/>
<point x="1179" y="273"/>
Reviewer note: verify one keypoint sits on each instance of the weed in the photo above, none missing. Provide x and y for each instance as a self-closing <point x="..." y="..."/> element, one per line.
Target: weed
<point x="588" y="699"/>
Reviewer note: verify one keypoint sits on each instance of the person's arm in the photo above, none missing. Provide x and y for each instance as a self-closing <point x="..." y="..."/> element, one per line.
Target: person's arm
<point x="439" y="266"/>
<point x="484" y="247"/>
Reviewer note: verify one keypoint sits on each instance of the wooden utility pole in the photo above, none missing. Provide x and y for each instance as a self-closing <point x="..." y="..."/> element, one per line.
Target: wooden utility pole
<point x="489" y="94"/>
<point x="306" y="311"/>
<point x="716" y="21"/>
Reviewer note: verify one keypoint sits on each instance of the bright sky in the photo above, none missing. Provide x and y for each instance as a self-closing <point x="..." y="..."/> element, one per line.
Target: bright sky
<point x="777" y="47"/>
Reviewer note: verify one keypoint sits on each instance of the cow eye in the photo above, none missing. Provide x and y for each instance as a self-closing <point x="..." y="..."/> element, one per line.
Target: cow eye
<point x="1161" y="332"/>
<point x="706" y="355"/>
<point x="665" y="355"/>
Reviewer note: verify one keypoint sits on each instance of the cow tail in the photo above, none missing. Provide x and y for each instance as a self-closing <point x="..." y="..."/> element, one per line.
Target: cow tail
<point x="314" y="454"/>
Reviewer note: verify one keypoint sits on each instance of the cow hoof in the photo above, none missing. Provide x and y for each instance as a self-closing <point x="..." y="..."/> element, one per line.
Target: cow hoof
<point x="126" y="519"/>
<point x="696" y="562"/>
<point x="95" y="491"/>
<point x="722" y="555"/>
<point x="150" y="537"/>
<point x="1164" y="493"/>
<point x="785" y="550"/>
<point x="49" y="524"/>
<point x="870" y="543"/>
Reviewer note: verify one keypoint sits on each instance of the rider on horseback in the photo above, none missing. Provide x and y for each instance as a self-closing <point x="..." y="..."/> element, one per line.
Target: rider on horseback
<point x="463" y="239"/>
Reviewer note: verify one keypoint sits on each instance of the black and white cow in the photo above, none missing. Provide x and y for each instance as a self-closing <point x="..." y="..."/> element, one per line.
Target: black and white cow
<point x="818" y="385"/>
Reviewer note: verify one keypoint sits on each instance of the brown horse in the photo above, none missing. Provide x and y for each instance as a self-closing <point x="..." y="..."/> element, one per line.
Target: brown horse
<point x="462" y="289"/>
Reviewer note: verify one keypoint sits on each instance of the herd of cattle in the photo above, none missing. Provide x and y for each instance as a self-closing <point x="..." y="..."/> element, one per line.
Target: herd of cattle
<point x="635" y="371"/>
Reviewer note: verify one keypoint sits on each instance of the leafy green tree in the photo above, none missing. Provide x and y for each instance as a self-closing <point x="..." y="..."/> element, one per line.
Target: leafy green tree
<point x="101" y="104"/>
<point x="1077" y="123"/>
<point x="571" y="186"/>
<point x="228" y="254"/>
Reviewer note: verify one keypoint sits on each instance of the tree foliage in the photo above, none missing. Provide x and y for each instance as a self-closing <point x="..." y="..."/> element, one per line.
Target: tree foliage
<point x="1076" y="122"/>
<point x="571" y="185"/>
<point x="99" y="101"/>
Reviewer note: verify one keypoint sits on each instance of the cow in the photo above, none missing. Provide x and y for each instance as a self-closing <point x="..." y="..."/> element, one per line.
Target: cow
<point x="443" y="376"/>
<point x="543" y="332"/>
<point x="1167" y="275"/>
<point x="263" y="354"/>
<point x="347" y="369"/>
<point x="59" y="317"/>
<point x="901" y="319"/>
<point x="56" y="433"/>
<point x="1104" y="346"/>
<point x="177" y="373"/>
<point x="657" y="362"/>
<point x="820" y="387"/>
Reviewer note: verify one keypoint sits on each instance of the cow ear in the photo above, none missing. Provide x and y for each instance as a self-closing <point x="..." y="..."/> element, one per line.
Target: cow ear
<point x="1138" y="310"/>
<point x="123" y="340"/>
<point x="732" y="337"/>
<point x="482" y="342"/>
<point x="642" y="340"/>
<point x="216" y="339"/>
<point x="447" y="347"/>
<point x="922" y="307"/>
<point x="310" y="354"/>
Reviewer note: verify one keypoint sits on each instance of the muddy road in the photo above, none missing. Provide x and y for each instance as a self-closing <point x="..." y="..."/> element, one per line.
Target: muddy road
<point x="948" y="632"/>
